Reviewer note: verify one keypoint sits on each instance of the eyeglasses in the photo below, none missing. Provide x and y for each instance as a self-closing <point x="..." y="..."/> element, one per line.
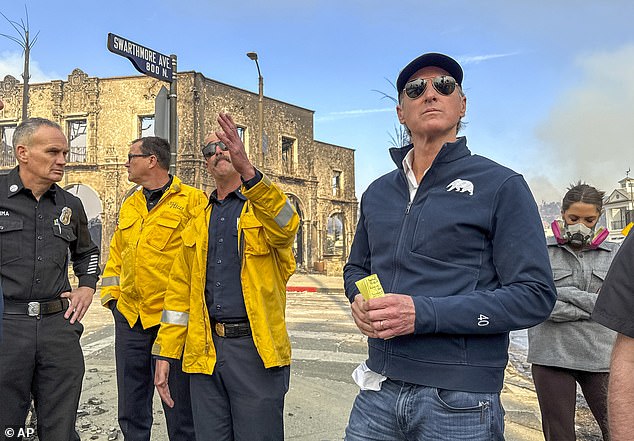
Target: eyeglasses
<point x="137" y="155"/>
<point x="444" y="85"/>
<point x="210" y="149"/>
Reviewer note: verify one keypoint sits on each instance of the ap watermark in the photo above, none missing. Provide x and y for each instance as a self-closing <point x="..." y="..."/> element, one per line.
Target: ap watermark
<point x="18" y="432"/>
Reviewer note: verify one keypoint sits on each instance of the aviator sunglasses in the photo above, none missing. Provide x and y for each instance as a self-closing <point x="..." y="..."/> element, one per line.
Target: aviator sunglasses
<point x="444" y="85"/>
<point x="210" y="149"/>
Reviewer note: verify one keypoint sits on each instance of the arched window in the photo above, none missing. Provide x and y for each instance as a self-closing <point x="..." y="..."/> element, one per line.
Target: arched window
<point x="298" y="245"/>
<point x="7" y="158"/>
<point x="335" y="235"/>
<point x="93" y="208"/>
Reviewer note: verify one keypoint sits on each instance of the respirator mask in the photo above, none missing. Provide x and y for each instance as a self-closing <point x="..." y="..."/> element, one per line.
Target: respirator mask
<point x="578" y="235"/>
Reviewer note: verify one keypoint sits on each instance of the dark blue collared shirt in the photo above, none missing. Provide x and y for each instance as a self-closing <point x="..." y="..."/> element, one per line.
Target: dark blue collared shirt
<point x="223" y="288"/>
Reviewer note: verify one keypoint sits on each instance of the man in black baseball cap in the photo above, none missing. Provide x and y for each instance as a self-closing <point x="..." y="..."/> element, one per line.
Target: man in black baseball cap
<point x="457" y="242"/>
<point x="431" y="59"/>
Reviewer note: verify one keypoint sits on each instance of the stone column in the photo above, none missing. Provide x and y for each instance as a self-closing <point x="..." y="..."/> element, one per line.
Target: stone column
<point x="112" y="198"/>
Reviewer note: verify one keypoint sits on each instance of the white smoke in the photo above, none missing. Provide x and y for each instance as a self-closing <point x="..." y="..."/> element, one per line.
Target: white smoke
<point x="12" y="63"/>
<point x="586" y="135"/>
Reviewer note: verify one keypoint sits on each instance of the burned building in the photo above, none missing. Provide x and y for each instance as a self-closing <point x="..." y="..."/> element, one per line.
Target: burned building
<point x="101" y="116"/>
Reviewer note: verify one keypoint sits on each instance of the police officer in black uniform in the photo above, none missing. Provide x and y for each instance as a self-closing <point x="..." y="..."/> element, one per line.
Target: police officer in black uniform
<point x="40" y="223"/>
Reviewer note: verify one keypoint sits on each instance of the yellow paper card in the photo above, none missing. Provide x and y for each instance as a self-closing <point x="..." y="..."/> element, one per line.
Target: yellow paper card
<point x="370" y="287"/>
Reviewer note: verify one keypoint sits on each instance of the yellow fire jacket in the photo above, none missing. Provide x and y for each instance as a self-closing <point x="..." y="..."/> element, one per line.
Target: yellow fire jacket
<point x="266" y="231"/>
<point x="143" y="249"/>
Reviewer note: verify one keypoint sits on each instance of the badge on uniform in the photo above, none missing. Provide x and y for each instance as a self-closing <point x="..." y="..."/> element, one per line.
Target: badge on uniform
<point x="64" y="218"/>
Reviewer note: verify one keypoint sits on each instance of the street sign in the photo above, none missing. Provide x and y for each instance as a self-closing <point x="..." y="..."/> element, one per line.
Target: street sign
<point x="146" y="61"/>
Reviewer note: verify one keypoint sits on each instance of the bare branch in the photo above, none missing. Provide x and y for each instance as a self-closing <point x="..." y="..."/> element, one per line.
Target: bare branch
<point x="22" y="28"/>
<point x="10" y="37"/>
<point x="400" y="136"/>
<point x="13" y="24"/>
<point x="26" y="12"/>
<point x="385" y="95"/>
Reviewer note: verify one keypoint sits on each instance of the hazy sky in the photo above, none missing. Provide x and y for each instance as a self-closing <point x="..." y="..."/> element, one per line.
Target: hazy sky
<point x="549" y="84"/>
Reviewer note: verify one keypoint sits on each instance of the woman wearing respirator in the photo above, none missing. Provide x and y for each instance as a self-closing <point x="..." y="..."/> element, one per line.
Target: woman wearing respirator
<point x="569" y="347"/>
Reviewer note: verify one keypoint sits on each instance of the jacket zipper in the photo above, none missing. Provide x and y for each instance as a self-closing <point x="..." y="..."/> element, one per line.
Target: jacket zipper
<point x="387" y="343"/>
<point x="398" y="246"/>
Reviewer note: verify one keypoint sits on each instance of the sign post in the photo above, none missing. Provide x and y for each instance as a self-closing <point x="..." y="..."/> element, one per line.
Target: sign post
<point x="154" y="64"/>
<point x="162" y="114"/>
<point x="173" y="122"/>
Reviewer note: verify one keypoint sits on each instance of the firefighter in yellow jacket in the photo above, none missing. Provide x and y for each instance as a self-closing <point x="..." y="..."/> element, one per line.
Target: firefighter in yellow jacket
<point x="143" y="248"/>
<point x="226" y="298"/>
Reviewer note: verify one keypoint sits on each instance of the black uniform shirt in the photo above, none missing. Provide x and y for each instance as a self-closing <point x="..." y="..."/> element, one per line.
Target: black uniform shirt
<point x="35" y="237"/>
<point x="152" y="197"/>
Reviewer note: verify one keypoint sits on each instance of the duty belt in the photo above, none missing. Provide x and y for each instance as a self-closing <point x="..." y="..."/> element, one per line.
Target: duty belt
<point x="231" y="330"/>
<point x="36" y="309"/>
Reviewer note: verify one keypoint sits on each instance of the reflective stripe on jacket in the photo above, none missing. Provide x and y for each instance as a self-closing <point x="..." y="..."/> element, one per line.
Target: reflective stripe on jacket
<point x="143" y="249"/>
<point x="266" y="231"/>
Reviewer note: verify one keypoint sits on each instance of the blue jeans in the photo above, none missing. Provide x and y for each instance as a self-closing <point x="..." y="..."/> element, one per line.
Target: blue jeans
<point x="405" y="411"/>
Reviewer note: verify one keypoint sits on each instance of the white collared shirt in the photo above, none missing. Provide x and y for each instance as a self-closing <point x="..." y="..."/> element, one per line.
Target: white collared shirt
<point x="412" y="183"/>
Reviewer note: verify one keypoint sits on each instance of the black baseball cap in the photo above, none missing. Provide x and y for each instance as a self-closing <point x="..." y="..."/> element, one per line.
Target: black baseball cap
<point x="431" y="59"/>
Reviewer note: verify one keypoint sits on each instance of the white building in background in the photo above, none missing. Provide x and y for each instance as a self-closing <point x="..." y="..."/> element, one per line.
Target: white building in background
<point x="619" y="209"/>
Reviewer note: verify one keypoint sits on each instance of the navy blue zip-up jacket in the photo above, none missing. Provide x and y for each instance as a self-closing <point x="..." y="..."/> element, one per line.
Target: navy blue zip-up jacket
<point x="470" y="250"/>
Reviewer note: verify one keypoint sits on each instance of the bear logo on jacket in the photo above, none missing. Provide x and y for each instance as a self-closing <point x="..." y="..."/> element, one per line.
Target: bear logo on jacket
<point x="461" y="186"/>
